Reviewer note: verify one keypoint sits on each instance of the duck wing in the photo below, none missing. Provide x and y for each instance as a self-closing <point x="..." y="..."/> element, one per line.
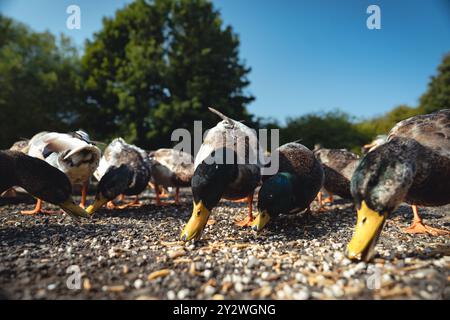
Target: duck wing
<point x="430" y="130"/>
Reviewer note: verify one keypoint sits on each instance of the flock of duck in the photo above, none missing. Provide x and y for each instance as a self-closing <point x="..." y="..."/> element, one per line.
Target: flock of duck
<point x="411" y="164"/>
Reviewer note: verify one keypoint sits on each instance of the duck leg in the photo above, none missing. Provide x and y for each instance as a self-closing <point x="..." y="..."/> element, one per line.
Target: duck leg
<point x="83" y="195"/>
<point x="111" y="205"/>
<point x="158" y="198"/>
<point x="329" y="199"/>
<point x="135" y="203"/>
<point x="177" y="196"/>
<point x="321" y="202"/>
<point x="162" y="192"/>
<point x="38" y="209"/>
<point x="417" y="226"/>
<point x="247" y="221"/>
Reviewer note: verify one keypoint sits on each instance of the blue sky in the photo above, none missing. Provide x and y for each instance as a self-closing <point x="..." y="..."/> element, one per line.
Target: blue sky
<point x="306" y="56"/>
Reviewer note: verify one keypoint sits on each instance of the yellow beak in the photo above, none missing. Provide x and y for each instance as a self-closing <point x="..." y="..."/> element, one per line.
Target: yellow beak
<point x="73" y="210"/>
<point x="261" y="219"/>
<point x="98" y="203"/>
<point x="367" y="231"/>
<point x="196" y="224"/>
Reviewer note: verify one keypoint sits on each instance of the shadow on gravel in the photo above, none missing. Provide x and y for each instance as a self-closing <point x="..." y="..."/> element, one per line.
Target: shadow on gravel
<point x="56" y="233"/>
<point x="313" y="226"/>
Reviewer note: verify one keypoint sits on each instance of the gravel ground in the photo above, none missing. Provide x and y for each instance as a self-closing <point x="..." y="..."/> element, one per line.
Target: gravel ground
<point x="135" y="254"/>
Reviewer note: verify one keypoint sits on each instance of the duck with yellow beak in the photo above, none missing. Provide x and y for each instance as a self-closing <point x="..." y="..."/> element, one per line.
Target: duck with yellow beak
<point x="40" y="179"/>
<point x="116" y="181"/>
<point x="223" y="170"/>
<point x="293" y="188"/>
<point x="412" y="166"/>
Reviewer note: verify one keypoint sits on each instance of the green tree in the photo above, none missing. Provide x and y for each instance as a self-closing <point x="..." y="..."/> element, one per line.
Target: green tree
<point x="437" y="96"/>
<point x="39" y="82"/>
<point x="383" y="124"/>
<point x="330" y="130"/>
<point x="157" y="66"/>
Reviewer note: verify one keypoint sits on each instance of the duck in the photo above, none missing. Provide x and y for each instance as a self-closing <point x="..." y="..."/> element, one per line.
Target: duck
<point x="293" y="188"/>
<point x="40" y="179"/>
<point x="170" y="168"/>
<point x="72" y="153"/>
<point x="125" y="163"/>
<point x="223" y="169"/>
<point x="412" y="166"/>
<point x="338" y="166"/>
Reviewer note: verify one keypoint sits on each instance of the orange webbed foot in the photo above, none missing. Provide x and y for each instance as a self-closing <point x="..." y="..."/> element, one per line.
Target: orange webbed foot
<point x="419" y="228"/>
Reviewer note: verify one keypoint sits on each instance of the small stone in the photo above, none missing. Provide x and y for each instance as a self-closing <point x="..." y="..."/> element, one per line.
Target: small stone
<point x="171" y="295"/>
<point x="301" y="295"/>
<point x="182" y="294"/>
<point x="52" y="286"/>
<point x="207" y="273"/>
<point x="209" y="290"/>
<point x="252" y="261"/>
<point x="138" y="283"/>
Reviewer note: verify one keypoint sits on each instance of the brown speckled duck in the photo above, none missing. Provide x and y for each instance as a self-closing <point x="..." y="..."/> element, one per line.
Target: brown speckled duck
<point x="338" y="166"/>
<point x="412" y="166"/>
<point x="171" y="168"/>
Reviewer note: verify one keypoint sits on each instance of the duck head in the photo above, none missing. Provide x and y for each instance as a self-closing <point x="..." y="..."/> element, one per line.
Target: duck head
<point x="209" y="182"/>
<point x="275" y="196"/>
<point x="113" y="183"/>
<point x="380" y="183"/>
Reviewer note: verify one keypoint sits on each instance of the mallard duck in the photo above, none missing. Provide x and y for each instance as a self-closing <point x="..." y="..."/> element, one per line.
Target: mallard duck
<point x="134" y="175"/>
<point x="171" y="168"/>
<point x="218" y="175"/>
<point x="338" y="166"/>
<point x="39" y="179"/>
<point x="73" y="154"/>
<point x="299" y="179"/>
<point x="412" y="166"/>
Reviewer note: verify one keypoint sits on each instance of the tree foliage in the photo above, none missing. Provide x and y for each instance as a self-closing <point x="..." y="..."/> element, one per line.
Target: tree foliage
<point x="157" y="66"/>
<point x="437" y="96"/>
<point x="330" y="130"/>
<point x="39" y="82"/>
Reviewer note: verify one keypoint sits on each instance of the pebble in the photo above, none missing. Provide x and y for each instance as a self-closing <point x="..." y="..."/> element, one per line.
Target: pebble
<point x="138" y="283"/>
<point x="209" y="290"/>
<point x="182" y="294"/>
<point x="118" y="252"/>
